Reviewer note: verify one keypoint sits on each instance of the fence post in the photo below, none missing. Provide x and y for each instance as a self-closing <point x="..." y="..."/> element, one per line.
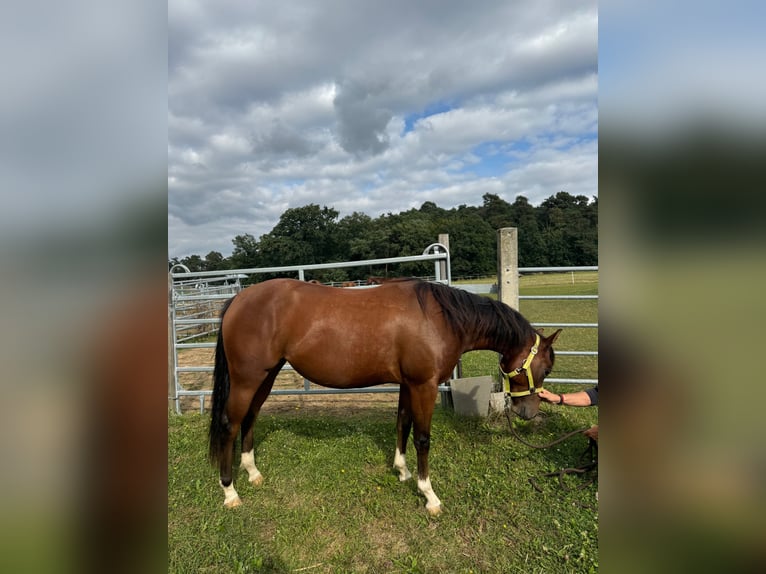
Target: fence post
<point x="171" y="348"/>
<point x="444" y="240"/>
<point x="508" y="266"/>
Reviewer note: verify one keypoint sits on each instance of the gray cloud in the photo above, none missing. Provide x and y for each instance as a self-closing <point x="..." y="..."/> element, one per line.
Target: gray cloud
<point x="371" y="106"/>
<point x="282" y="140"/>
<point x="362" y="121"/>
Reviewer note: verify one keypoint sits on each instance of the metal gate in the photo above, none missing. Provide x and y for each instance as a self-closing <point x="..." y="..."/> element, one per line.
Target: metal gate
<point x="197" y="297"/>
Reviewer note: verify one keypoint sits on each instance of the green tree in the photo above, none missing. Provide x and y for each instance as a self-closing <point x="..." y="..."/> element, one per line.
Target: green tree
<point x="245" y="253"/>
<point x="563" y="230"/>
<point x="473" y="249"/>
<point x="215" y="261"/>
<point x="410" y="232"/>
<point x="303" y="235"/>
<point x="371" y="242"/>
<point x="496" y="211"/>
<point x="569" y="229"/>
<point x="193" y="263"/>
<point x="532" y="250"/>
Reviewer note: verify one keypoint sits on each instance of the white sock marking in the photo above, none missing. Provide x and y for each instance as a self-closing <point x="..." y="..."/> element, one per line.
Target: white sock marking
<point x="231" y="498"/>
<point x="424" y="486"/>
<point x="248" y="463"/>
<point x="400" y="464"/>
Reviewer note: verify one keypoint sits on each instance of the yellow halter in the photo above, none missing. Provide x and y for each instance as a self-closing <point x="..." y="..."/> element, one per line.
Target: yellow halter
<point x="524" y="367"/>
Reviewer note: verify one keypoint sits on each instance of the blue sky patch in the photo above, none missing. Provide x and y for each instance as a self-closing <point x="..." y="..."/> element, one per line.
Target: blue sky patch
<point x="430" y="110"/>
<point x="495" y="158"/>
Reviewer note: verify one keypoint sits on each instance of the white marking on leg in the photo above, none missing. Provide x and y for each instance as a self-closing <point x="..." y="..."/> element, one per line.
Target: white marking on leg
<point x="400" y="464"/>
<point x="248" y="463"/>
<point x="433" y="504"/>
<point x="231" y="498"/>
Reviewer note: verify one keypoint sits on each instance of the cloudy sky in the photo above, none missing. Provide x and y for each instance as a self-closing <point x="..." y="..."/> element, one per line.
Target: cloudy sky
<point x="372" y="106"/>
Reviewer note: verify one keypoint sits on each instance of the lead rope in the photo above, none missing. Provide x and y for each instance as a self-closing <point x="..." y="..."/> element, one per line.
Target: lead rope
<point x="540" y="446"/>
<point x="591" y="449"/>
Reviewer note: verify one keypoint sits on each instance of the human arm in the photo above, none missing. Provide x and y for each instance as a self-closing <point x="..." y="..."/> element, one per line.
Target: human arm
<point x="577" y="399"/>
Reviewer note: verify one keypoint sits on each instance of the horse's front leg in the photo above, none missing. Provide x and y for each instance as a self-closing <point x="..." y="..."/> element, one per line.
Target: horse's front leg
<point x="423" y="401"/>
<point x="403" y="428"/>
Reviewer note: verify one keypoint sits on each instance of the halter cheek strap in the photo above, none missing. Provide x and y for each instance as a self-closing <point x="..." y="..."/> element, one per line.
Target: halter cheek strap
<point x="524" y="367"/>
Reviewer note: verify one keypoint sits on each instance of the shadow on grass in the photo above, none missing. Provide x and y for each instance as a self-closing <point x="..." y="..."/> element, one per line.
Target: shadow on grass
<point x="493" y="435"/>
<point x="379" y="426"/>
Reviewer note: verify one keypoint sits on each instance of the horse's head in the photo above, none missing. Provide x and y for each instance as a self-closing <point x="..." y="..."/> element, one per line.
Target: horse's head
<point x="524" y="371"/>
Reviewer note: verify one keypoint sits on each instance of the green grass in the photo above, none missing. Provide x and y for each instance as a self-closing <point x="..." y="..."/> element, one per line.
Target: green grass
<point x="331" y="503"/>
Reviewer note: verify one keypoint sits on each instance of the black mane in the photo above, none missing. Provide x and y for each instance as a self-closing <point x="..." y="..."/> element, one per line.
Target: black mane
<point x="473" y="316"/>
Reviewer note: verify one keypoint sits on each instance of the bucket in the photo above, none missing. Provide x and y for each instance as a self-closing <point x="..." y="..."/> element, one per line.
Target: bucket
<point x="470" y="396"/>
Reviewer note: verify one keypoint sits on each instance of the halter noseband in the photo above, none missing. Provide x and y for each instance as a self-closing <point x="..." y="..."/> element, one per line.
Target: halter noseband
<point x="517" y="371"/>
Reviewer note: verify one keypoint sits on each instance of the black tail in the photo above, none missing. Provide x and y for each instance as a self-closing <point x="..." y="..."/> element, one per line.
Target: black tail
<point x="219" y="422"/>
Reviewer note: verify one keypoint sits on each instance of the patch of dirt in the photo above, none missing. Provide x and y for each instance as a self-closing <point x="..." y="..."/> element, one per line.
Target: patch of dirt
<point x="340" y="405"/>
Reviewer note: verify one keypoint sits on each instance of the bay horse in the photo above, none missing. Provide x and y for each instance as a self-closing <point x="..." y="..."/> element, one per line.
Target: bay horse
<point x="408" y="332"/>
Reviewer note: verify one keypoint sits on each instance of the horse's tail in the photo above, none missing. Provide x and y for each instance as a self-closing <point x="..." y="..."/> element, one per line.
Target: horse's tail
<point x="219" y="422"/>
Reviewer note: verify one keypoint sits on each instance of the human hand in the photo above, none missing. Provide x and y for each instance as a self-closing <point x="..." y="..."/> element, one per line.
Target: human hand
<point x="548" y="396"/>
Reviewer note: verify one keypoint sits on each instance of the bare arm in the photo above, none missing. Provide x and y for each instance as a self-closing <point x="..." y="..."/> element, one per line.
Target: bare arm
<point x="578" y="399"/>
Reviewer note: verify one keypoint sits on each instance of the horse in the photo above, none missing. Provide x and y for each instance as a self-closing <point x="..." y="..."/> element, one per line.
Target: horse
<point x="409" y="332"/>
<point x="377" y="280"/>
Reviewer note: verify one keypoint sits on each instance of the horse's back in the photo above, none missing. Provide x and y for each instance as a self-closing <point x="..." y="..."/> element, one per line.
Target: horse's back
<point x="297" y="301"/>
<point x="335" y="337"/>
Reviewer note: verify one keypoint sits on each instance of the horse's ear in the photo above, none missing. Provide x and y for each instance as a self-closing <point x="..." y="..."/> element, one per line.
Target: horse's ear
<point x="552" y="339"/>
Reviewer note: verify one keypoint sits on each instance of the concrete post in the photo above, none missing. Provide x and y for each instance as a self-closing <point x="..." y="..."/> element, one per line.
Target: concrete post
<point x="508" y="266"/>
<point x="444" y="240"/>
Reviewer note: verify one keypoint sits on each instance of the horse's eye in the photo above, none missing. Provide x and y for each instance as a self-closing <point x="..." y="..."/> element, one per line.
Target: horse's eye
<point x="547" y="372"/>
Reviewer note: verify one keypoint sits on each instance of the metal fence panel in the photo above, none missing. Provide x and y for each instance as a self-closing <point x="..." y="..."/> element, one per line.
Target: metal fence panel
<point x="197" y="298"/>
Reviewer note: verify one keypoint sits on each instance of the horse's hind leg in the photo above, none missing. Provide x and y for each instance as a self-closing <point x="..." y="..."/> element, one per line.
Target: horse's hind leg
<point x="403" y="428"/>
<point x="423" y="401"/>
<point x="236" y="409"/>
<point x="248" y="451"/>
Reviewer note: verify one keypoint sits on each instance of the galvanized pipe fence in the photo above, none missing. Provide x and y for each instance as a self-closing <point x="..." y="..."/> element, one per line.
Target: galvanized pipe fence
<point x="196" y="299"/>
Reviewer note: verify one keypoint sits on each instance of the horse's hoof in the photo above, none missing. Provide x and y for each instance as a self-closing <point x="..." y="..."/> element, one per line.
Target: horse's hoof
<point x="406" y="476"/>
<point x="233" y="503"/>
<point x="257" y="481"/>
<point x="434" y="510"/>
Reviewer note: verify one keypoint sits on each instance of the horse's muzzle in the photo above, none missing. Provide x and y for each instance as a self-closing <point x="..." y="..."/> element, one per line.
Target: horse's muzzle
<point x="526" y="409"/>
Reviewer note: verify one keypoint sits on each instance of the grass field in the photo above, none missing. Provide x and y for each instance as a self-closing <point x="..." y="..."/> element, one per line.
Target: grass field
<point x="331" y="503"/>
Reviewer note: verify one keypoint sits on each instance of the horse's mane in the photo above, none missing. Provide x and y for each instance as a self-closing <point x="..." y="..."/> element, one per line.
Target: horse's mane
<point x="468" y="314"/>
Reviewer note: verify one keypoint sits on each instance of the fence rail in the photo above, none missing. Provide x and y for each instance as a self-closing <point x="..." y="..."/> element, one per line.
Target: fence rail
<point x="196" y="299"/>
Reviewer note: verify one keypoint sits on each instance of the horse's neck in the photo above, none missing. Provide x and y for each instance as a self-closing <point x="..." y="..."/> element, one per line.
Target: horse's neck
<point x="485" y="343"/>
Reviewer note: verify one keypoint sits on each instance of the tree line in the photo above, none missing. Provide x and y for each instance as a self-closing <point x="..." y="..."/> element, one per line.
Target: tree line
<point x="562" y="231"/>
